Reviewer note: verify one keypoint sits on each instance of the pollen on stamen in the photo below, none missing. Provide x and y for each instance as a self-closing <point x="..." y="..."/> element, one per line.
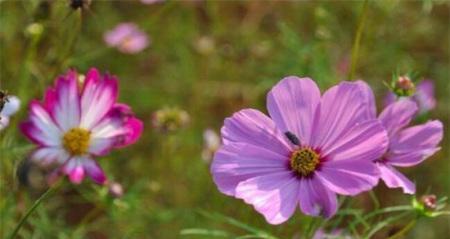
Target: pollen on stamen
<point x="76" y="141"/>
<point x="304" y="161"/>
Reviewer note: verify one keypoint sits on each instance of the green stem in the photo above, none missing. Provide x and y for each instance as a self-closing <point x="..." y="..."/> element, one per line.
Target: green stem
<point x="25" y="68"/>
<point x="357" y="40"/>
<point x="404" y="230"/>
<point x="312" y="227"/>
<point x="374" y="198"/>
<point x="384" y="224"/>
<point x="382" y="211"/>
<point x="31" y="210"/>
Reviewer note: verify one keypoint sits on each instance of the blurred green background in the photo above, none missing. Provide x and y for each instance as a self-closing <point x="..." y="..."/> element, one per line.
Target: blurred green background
<point x="209" y="58"/>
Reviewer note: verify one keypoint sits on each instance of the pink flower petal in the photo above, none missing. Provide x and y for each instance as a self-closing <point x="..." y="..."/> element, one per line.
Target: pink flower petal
<point x="119" y="33"/>
<point x="292" y="104"/>
<point x="342" y="107"/>
<point x="349" y="177"/>
<point x="389" y="99"/>
<point x="425" y="96"/>
<point x="237" y="162"/>
<point x="394" y="179"/>
<point x="134" y="128"/>
<point x="253" y="127"/>
<point x="371" y="110"/>
<point x="101" y="146"/>
<point x="316" y="199"/>
<point x="118" y="128"/>
<point x="366" y="141"/>
<point x="74" y="169"/>
<point x="397" y="115"/>
<point x="275" y="196"/>
<point x="94" y="171"/>
<point x="414" y="144"/>
<point x="127" y="37"/>
<point x="135" y="44"/>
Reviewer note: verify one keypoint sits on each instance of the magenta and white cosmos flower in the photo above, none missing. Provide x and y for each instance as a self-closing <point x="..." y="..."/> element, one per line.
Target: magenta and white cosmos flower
<point x="310" y="149"/>
<point x="77" y="122"/>
<point x="408" y="146"/>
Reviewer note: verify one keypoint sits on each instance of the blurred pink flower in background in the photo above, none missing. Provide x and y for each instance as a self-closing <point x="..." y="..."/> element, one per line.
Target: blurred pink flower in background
<point x="127" y="38"/>
<point x="115" y="189"/>
<point x="311" y="149"/>
<point x="423" y="96"/>
<point x="151" y="1"/>
<point x="77" y="122"/>
<point x="9" y="109"/>
<point x="408" y="146"/>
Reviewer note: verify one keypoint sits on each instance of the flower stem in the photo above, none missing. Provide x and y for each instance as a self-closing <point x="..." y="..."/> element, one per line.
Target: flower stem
<point x="312" y="227"/>
<point x="404" y="230"/>
<point x="357" y="40"/>
<point x="31" y="210"/>
<point x="374" y="198"/>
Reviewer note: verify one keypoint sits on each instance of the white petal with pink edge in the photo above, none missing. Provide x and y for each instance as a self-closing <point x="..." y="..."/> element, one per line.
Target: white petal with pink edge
<point x="49" y="155"/>
<point x="41" y="128"/>
<point x="97" y="98"/>
<point x="66" y="108"/>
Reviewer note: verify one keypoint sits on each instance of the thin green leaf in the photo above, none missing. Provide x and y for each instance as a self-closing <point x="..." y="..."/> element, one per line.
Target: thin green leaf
<point x="205" y="232"/>
<point x="384" y="223"/>
<point x="236" y="223"/>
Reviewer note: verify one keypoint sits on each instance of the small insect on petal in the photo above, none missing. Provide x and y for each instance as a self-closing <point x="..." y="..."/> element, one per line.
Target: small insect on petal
<point x="292" y="137"/>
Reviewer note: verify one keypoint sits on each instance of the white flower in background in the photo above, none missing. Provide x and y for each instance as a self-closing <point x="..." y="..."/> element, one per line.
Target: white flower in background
<point x="211" y="142"/>
<point x="10" y="108"/>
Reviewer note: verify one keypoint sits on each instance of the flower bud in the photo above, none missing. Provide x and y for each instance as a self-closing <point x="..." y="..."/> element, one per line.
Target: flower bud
<point x="429" y="201"/>
<point x="34" y="29"/>
<point x="404" y="86"/>
<point x="170" y="119"/>
<point x="205" y="45"/>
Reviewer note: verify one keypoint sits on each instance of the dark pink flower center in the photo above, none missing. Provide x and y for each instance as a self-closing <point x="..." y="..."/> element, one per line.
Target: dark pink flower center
<point x="304" y="161"/>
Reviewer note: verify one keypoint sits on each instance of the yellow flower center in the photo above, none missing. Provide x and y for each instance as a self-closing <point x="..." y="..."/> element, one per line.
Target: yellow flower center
<point x="76" y="141"/>
<point x="304" y="161"/>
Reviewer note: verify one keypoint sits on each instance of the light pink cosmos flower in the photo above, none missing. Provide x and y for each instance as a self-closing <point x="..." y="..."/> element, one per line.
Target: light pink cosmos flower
<point x="424" y="96"/>
<point x="312" y="148"/>
<point x="127" y="38"/>
<point x="408" y="146"/>
<point x="77" y="122"/>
